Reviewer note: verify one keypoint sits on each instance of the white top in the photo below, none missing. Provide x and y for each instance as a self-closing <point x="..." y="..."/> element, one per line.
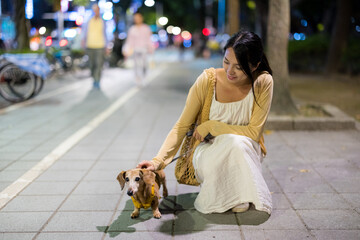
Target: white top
<point x="234" y="113"/>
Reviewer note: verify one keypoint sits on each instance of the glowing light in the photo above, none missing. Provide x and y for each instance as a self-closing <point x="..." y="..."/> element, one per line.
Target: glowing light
<point x="108" y="5"/>
<point x="116" y="1"/>
<point x="206" y="31"/>
<point x="42" y="30"/>
<point x="163" y="21"/>
<point x="70" y="33"/>
<point x="304" y="23"/>
<point x="48" y="41"/>
<point x="251" y="5"/>
<point x="320" y="27"/>
<point x="107" y="15"/>
<point x="29" y="9"/>
<point x="79" y="20"/>
<point x="169" y="29"/>
<point x="155" y="38"/>
<point x="122" y="35"/>
<point x="63" y="42"/>
<point x="186" y="35"/>
<point x="297" y="36"/>
<point x="149" y="3"/>
<point x="176" y="30"/>
<point x="32" y="31"/>
<point x="187" y="43"/>
<point x="357" y="28"/>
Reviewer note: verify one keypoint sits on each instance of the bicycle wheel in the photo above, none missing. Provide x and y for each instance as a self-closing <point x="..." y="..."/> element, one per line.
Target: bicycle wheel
<point x="16" y="85"/>
<point x="39" y="83"/>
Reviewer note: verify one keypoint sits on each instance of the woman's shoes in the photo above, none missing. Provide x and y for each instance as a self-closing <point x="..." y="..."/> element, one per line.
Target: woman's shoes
<point x="243" y="207"/>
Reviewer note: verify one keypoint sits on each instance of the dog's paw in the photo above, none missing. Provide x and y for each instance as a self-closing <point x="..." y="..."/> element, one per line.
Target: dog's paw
<point x="134" y="215"/>
<point x="157" y="214"/>
<point x="165" y="193"/>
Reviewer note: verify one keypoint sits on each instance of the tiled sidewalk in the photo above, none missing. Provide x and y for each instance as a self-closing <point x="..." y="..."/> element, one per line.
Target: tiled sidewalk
<point x="313" y="176"/>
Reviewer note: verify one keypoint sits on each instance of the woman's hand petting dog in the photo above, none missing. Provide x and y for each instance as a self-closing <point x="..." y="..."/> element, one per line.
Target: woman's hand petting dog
<point x="146" y="165"/>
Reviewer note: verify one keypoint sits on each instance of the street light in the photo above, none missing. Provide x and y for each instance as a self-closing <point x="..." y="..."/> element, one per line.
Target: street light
<point x="163" y="21"/>
<point x="149" y="3"/>
<point x="42" y="30"/>
<point x="176" y="31"/>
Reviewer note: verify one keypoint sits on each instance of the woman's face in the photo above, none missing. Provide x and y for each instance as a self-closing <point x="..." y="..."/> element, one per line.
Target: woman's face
<point x="234" y="72"/>
<point x="138" y="19"/>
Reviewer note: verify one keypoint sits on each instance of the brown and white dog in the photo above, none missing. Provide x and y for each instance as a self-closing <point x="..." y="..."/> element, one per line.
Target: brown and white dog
<point x="143" y="187"/>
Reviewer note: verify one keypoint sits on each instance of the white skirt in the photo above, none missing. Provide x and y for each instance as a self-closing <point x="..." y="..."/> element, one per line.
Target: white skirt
<point x="229" y="170"/>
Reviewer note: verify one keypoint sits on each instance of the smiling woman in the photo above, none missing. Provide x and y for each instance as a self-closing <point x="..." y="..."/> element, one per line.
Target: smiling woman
<point x="232" y="104"/>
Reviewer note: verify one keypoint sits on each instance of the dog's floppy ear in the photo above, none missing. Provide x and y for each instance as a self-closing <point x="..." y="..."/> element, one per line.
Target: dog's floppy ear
<point x="121" y="179"/>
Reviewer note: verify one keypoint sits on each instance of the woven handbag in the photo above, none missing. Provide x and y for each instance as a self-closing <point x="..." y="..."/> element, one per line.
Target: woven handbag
<point x="184" y="169"/>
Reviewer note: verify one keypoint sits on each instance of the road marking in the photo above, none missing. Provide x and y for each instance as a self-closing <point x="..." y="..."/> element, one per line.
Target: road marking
<point x="21" y="183"/>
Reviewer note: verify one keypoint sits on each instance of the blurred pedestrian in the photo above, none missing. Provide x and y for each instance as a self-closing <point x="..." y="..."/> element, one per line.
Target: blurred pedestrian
<point x="95" y="43"/>
<point x="138" y="44"/>
<point x="231" y="104"/>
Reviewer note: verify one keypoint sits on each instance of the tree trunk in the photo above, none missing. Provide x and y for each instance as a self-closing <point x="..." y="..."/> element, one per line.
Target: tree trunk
<point x="277" y="44"/>
<point x="22" y="33"/>
<point x="339" y="36"/>
<point x="233" y="16"/>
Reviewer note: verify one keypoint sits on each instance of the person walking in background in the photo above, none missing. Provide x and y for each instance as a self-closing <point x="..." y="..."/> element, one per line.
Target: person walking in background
<point x="138" y="44"/>
<point x="95" y="43"/>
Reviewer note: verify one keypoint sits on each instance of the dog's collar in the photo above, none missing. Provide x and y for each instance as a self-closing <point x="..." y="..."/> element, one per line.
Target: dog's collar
<point x="148" y="202"/>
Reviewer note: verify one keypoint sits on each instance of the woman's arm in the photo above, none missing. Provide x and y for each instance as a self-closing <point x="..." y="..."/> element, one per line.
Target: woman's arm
<point x="255" y="128"/>
<point x="171" y="145"/>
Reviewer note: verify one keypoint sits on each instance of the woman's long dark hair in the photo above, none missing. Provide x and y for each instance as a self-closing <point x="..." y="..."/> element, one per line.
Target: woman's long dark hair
<point x="249" y="49"/>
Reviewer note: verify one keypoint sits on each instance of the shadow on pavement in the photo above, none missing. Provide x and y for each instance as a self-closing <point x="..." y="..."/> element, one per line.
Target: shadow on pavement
<point x="187" y="219"/>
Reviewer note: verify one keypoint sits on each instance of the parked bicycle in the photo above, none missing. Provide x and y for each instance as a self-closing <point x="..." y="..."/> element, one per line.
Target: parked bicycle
<point x="22" y="75"/>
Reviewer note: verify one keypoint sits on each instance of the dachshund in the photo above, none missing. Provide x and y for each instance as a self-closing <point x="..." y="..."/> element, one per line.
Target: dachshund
<point x="143" y="188"/>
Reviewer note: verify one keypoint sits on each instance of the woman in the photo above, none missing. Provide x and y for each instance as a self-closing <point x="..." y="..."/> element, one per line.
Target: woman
<point x="239" y="97"/>
<point x="138" y="43"/>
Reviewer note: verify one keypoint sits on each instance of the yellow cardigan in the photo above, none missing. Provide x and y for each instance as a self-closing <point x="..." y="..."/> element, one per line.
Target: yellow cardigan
<point x="196" y="103"/>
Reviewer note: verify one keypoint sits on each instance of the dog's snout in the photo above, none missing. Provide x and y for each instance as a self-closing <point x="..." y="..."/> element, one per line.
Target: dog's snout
<point x="130" y="193"/>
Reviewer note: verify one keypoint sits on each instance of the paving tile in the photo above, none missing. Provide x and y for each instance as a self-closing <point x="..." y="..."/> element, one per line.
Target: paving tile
<point x="207" y="235"/>
<point x="331" y="219"/>
<point x="11" y="175"/>
<point x="276" y="234"/>
<point x="192" y="220"/>
<point x="280" y="201"/>
<point x="353" y="198"/>
<point x="71" y="165"/>
<point x="77" y="221"/>
<point x="185" y="201"/>
<point x="184" y="189"/>
<point x="90" y="203"/>
<point x="61" y="175"/>
<point x="312" y="201"/>
<point x="120" y="165"/>
<point x="105" y="187"/>
<point x="70" y="235"/>
<point x="336" y="234"/>
<point x="4" y="185"/>
<point x="21" y="165"/>
<point x="22" y="221"/>
<point x="145" y="222"/>
<point x="34" y="203"/>
<point x="5" y="163"/>
<point x="139" y="235"/>
<point x="342" y="178"/>
<point x="283" y="219"/>
<point x="17" y="236"/>
<point x="49" y="188"/>
<point x="294" y="180"/>
<point x="102" y="175"/>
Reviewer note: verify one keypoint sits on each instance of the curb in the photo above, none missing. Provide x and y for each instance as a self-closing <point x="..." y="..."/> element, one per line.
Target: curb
<point x="337" y="120"/>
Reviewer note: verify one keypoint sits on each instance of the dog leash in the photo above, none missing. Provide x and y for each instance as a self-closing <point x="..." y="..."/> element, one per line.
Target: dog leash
<point x="189" y="134"/>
